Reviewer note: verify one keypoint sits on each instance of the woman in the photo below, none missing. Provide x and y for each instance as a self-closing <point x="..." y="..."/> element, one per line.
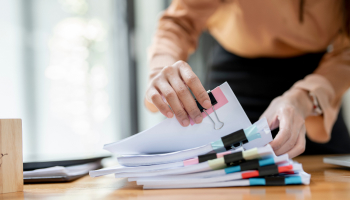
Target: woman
<point x="274" y="56"/>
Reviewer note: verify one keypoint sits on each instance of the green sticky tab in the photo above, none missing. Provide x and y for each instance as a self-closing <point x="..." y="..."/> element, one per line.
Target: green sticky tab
<point x="218" y="146"/>
<point x="252" y="132"/>
<point x="251" y="154"/>
<point x="218" y="163"/>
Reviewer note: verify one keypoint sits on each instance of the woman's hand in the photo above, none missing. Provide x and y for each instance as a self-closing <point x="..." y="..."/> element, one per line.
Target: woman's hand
<point x="288" y="112"/>
<point x="169" y="85"/>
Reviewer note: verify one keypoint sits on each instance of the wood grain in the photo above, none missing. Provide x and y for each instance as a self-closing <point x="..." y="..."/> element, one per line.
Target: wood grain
<point x="11" y="159"/>
<point x="327" y="182"/>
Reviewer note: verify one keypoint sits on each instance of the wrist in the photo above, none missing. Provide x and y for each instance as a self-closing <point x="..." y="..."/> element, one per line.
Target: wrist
<point x="161" y="61"/>
<point x="302" y="100"/>
<point x="158" y="62"/>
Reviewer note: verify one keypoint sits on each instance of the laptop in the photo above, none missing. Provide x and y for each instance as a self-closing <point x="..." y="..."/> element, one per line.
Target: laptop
<point x="338" y="160"/>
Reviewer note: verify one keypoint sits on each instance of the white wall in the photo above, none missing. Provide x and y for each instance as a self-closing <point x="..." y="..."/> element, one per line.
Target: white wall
<point x="11" y="66"/>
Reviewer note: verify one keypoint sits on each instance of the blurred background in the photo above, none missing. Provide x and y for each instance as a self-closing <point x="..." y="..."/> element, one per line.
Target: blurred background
<point x="76" y="71"/>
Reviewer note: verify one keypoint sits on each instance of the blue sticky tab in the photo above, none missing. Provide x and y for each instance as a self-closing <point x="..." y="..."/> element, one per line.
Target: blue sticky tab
<point x="267" y="161"/>
<point x="233" y="169"/>
<point x="293" y="180"/>
<point x="252" y="133"/>
<point x="218" y="146"/>
<point x="257" y="181"/>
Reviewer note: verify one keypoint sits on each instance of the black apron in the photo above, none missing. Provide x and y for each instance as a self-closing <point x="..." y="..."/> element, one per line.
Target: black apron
<point x="256" y="82"/>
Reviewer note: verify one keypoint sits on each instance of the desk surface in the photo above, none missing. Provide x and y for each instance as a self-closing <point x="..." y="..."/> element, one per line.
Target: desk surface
<point x="327" y="182"/>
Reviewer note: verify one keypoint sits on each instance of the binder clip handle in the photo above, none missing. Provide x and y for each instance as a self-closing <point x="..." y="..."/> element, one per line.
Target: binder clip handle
<point x="213" y="102"/>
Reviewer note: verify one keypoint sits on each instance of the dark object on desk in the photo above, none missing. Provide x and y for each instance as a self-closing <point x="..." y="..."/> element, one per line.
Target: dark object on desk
<point x="338" y="160"/>
<point x="44" y="170"/>
<point x="45" y="161"/>
<point x="51" y="179"/>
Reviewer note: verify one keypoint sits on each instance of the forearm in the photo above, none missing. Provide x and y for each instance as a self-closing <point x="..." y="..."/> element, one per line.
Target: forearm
<point x="337" y="73"/>
<point x="328" y="83"/>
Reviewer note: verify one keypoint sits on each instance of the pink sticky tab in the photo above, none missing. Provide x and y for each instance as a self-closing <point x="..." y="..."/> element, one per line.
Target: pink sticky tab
<point x="192" y="161"/>
<point x="191" y="121"/>
<point x="219" y="155"/>
<point x="220" y="98"/>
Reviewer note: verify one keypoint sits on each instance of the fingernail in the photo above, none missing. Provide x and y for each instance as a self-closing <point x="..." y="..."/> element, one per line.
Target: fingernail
<point x="198" y="119"/>
<point x="206" y="104"/>
<point x="169" y="114"/>
<point x="185" y="122"/>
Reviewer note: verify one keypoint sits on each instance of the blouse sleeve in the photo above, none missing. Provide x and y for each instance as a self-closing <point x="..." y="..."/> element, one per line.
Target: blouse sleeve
<point x="180" y="26"/>
<point x="328" y="83"/>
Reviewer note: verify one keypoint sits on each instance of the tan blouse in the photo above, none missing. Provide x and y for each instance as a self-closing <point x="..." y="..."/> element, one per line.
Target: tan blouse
<point x="267" y="28"/>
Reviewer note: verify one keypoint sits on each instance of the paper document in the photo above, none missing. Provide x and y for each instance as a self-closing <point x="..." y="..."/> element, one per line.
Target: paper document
<point x="293" y="179"/>
<point x="170" y="136"/>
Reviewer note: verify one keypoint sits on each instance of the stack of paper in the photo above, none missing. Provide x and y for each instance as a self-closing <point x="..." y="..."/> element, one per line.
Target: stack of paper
<point x="198" y="156"/>
<point x="75" y="170"/>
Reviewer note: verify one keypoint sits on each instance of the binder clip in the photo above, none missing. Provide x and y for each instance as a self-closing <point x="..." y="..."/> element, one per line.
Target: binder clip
<point x="234" y="140"/>
<point x="213" y="102"/>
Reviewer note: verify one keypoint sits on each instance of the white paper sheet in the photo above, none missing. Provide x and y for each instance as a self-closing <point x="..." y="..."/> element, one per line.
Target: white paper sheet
<point x="170" y="136"/>
<point x="305" y="179"/>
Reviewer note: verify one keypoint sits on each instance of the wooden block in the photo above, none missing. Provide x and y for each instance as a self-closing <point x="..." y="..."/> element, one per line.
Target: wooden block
<point x="11" y="158"/>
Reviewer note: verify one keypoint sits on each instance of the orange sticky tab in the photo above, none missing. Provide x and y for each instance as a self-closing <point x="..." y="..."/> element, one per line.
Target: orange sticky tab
<point x="250" y="174"/>
<point x="285" y="168"/>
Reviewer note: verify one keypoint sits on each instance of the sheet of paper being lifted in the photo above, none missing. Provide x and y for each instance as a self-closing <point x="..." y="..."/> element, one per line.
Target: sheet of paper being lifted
<point x="170" y="136"/>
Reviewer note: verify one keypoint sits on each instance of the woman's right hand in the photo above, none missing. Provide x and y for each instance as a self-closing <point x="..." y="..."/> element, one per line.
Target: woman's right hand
<point x="169" y="86"/>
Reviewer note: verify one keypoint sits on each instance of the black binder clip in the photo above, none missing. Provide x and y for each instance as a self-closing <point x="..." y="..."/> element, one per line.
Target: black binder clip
<point x="234" y="140"/>
<point x="213" y="102"/>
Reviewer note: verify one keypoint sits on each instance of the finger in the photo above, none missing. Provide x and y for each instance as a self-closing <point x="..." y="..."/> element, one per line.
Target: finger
<point x="271" y="118"/>
<point x="154" y="97"/>
<point x="299" y="147"/>
<point x="291" y="142"/>
<point x="170" y="95"/>
<point x="270" y="114"/>
<point x="193" y="82"/>
<point x="186" y="98"/>
<point x="285" y="131"/>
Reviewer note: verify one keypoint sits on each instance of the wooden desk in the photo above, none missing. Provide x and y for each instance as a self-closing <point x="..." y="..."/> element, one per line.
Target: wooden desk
<point x="327" y="182"/>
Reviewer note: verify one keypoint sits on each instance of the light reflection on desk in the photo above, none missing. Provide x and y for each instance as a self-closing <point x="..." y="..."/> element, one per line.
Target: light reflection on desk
<point x="338" y="175"/>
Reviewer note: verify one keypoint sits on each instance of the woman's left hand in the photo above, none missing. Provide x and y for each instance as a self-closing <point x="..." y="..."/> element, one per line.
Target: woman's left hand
<point x="288" y="112"/>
